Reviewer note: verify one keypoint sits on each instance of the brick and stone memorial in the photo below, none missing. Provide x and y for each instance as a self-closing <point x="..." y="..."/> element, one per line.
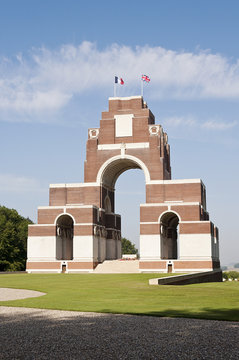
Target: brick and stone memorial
<point x="79" y="228"/>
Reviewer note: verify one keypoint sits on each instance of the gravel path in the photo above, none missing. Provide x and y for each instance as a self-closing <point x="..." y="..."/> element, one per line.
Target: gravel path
<point x="52" y="334"/>
<point x="16" y="294"/>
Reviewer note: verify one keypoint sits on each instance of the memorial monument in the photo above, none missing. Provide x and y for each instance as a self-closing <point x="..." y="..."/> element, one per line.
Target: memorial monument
<point x="80" y="229"/>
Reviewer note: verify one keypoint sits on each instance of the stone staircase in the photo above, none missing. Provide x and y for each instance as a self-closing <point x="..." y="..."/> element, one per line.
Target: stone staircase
<point x="118" y="267"/>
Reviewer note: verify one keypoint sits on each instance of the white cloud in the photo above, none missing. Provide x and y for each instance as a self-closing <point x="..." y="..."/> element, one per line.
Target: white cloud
<point x="175" y="121"/>
<point x="218" y="125"/>
<point x="48" y="79"/>
<point x="189" y="121"/>
<point x="18" y="184"/>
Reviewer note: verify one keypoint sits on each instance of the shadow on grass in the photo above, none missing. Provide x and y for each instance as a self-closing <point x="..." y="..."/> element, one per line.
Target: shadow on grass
<point x="204" y="314"/>
<point x="43" y="334"/>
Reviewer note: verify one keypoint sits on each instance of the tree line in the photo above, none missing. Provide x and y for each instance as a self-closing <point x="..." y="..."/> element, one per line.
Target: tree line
<point x="13" y="240"/>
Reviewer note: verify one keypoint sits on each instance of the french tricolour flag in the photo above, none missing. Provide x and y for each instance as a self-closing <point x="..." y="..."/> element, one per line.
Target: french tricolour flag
<point x="119" y="80"/>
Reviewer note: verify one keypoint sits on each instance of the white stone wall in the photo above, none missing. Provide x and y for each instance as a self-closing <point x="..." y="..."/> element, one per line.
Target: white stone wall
<point x="41" y="248"/>
<point x="195" y="246"/>
<point x="83" y="248"/>
<point x="124" y="125"/>
<point x="150" y="247"/>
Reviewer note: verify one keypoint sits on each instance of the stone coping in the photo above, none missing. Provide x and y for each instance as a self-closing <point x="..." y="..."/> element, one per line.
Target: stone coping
<point x="193" y="278"/>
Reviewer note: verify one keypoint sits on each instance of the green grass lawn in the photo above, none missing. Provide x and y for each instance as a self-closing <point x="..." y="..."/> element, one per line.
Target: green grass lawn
<point x="127" y="294"/>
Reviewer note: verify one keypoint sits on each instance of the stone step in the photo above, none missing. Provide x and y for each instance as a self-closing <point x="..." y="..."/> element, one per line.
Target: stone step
<point x="118" y="267"/>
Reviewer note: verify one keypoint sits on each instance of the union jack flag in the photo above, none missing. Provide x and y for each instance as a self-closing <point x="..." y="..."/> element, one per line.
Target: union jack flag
<point x="145" y="78"/>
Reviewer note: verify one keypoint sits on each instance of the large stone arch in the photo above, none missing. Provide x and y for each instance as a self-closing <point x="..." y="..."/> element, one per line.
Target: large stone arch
<point x="110" y="171"/>
<point x="107" y="177"/>
<point x="115" y="166"/>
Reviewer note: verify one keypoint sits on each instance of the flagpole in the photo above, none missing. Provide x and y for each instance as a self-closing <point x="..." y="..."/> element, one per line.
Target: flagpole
<point x="114" y="90"/>
<point x="142" y="88"/>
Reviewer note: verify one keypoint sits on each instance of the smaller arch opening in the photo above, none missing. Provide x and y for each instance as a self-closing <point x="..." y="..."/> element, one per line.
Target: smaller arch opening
<point x="64" y="238"/>
<point x="169" y="235"/>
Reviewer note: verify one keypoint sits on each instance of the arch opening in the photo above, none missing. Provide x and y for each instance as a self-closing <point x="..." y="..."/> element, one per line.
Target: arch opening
<point x="169" y="235"/>
<point x="115" y="169"/>
<point x="127" y="202"/>
<point x="115" y="166"/>
<point x="64" y="237"/>
<point x="129" y="194"/>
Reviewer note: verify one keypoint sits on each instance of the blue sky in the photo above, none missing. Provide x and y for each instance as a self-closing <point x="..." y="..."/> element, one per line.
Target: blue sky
<point x="57" y="64"/>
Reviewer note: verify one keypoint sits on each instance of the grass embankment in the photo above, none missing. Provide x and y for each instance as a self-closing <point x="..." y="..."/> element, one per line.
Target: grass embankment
<point x="127" y="294"/>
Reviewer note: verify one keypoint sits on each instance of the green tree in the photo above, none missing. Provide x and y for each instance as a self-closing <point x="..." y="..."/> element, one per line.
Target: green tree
<point x="128" y="247"/>
<point x="236" y="265"/>
<point x="231" y="275"/>
<point x="13" y="240"/>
